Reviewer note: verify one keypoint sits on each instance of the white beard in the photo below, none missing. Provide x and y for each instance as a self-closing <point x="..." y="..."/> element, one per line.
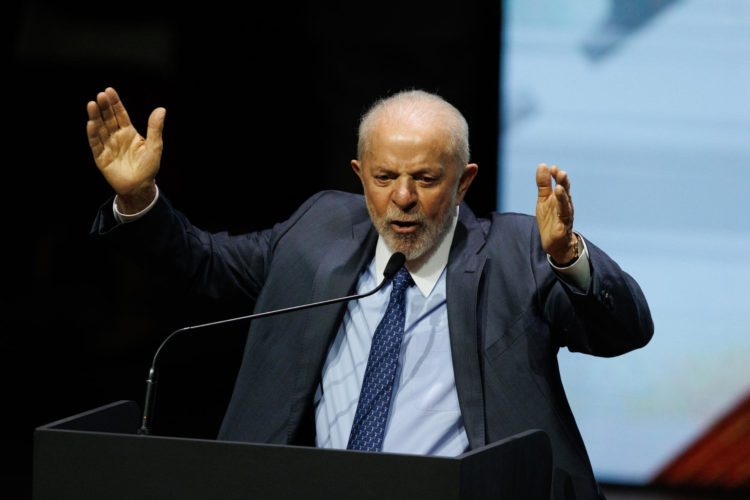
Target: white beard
<point x="419" y="243"/>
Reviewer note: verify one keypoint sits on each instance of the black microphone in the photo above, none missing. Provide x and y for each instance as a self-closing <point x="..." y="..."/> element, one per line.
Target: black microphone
<point x="391" y="268"/>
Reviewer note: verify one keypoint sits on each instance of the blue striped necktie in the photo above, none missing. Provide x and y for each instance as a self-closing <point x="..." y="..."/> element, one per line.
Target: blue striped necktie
<point x="375" y="397"/>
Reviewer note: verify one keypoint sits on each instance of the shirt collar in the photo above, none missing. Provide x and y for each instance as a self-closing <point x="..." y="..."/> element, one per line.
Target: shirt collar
<point x="429" y="271"/>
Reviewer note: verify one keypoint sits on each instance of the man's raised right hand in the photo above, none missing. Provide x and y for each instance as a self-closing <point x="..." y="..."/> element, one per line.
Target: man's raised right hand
<point x="128" y="162"/>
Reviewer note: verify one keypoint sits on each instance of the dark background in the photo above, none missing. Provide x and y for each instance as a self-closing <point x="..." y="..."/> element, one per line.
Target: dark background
<point x="262" y="109"/>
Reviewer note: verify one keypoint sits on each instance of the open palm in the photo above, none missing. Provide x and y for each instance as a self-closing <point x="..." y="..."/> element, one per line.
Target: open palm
<point x="128" y="162"/>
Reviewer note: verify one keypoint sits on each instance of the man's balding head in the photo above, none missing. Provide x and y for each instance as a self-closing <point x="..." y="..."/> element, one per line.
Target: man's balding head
<point x="418" y="107"/>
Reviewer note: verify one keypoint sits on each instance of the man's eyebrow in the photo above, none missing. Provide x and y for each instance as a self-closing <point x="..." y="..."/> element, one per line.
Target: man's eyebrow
<point x="381" y="168"/>
<point x="432" y="169"/>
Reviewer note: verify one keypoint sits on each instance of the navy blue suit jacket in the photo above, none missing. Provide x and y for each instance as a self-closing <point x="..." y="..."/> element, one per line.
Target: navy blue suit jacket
<point x="508" y="316"/>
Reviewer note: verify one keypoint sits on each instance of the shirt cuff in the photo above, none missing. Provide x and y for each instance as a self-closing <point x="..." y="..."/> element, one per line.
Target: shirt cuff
<point x="124" y="218"/>
<point x="577" y="274"/>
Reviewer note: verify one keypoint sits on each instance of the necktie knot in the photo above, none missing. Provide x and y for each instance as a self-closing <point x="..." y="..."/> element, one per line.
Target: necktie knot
<point x="402" y="280"/>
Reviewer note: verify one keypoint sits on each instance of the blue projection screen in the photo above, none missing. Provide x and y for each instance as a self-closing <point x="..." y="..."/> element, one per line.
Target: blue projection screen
<point x="646" y="104"/>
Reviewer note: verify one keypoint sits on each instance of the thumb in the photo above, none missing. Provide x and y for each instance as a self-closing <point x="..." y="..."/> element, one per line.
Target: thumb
<point x="155" y="126"/>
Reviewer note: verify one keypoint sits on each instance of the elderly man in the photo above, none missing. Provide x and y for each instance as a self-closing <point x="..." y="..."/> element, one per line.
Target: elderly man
<point x="457" y="352"/>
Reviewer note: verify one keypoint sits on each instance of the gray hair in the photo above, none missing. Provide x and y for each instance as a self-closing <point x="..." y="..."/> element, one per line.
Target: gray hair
<point x="418" y="105"/>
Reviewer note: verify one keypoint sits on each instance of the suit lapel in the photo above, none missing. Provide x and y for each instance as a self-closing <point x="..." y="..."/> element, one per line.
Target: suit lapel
<point x="336" y="276"/>
<point x="465" y="267"/>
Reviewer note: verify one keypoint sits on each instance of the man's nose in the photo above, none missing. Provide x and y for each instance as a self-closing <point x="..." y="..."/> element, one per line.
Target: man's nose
<point x="404" y="193"/>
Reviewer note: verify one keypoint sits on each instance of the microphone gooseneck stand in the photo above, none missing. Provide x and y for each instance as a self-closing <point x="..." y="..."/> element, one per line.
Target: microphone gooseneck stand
<point x="394" y="264"/>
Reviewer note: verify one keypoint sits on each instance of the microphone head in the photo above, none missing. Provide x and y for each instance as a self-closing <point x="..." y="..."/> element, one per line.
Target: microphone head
<point x="394" y="264"/>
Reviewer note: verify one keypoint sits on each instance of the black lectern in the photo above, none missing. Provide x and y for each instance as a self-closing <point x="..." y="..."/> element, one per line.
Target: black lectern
<point x="97" y="455"/>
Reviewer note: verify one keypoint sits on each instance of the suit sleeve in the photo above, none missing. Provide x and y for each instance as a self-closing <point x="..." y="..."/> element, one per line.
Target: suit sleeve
<point x="214" y="266"/>
<point x="610" y="318"/>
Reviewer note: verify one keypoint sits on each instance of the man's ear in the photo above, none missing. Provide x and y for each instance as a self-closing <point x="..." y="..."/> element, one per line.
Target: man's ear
<point x="357" y="167"/>
<point x="467" y="176"/>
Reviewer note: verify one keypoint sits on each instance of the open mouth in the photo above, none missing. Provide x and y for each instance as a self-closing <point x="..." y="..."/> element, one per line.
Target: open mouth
<point x="404" y="226"/>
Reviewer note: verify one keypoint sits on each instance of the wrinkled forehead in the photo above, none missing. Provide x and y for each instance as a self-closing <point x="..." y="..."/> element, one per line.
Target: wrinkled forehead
<point x="422" y="137"/>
